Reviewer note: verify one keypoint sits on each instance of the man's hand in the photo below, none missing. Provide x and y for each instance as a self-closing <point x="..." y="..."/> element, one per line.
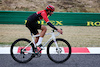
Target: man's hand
<point x="60" y="31"/>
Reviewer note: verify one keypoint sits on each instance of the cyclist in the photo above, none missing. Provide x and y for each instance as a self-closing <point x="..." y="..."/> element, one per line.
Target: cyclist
<point x="32" y="24"/>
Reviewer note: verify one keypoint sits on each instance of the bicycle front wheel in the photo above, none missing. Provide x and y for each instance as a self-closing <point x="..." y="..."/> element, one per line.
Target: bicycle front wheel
<point x="17" y="53"/>
<point x="60" y="54"/>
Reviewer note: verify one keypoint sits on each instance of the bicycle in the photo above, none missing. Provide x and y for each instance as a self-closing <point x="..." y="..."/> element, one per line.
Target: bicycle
<point x="23" y="50"/>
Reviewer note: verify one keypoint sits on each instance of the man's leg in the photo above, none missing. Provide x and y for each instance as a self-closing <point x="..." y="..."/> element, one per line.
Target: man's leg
<point x="44" y="29"/>
<point x="39" y="39"/>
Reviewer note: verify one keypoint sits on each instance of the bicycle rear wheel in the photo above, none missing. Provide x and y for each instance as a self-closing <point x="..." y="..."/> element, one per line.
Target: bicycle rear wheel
<point x="61" y="54"/>
<point x="17" y="53"/>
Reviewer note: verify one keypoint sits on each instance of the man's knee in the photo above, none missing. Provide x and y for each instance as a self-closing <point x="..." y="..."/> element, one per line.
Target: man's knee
<point x="43" y="28"/>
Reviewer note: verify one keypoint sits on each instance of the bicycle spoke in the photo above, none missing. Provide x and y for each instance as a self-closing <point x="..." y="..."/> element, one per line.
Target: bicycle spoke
<point x="19" y="51"/>
<point x="59" y="54"/>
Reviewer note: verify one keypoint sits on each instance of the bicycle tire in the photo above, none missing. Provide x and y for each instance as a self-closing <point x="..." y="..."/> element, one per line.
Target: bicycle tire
<point x="14" y="45"/>
<point x="56" y="60"/>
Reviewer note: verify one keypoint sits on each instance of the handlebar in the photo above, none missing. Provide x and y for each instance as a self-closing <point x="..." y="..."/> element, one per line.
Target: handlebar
<point x="56" y="31"/>
<point x="57" y="34"/>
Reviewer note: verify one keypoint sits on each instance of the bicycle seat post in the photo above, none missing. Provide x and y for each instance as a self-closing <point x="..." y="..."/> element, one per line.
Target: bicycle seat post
<point x="33" y="39"/>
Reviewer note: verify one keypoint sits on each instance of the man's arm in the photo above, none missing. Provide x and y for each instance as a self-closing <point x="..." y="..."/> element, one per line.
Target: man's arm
<point x="52" y="25"/>
<point x="47" y="21"/>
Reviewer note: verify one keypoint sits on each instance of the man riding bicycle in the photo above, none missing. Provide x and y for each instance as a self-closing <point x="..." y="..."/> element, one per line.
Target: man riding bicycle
<point x="33" y="26"/>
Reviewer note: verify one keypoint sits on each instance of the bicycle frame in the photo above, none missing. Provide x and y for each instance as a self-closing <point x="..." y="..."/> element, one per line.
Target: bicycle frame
<point x="53" y="37"/>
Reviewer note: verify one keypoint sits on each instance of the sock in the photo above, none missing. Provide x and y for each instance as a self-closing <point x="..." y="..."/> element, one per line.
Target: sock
<point x="39" y="41"/>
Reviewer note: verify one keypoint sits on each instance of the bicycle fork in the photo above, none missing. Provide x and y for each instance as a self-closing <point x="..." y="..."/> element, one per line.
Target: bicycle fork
<point x="58" y="49"/>
<point x="53" y="36"/>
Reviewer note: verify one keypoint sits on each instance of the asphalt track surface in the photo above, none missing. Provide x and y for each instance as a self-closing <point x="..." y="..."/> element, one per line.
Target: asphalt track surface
<point x="76" y="60"/>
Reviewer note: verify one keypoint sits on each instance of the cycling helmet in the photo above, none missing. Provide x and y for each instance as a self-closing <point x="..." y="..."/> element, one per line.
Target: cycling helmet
<point x="50" y="7"/>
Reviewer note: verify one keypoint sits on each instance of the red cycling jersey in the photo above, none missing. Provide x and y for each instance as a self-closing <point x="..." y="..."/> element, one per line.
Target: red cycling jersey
<point x="32" y="19"/>
<point x="43" y="15"/>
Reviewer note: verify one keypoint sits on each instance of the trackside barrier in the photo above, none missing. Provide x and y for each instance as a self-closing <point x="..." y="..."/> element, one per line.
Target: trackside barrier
<point x="58" y="18"/>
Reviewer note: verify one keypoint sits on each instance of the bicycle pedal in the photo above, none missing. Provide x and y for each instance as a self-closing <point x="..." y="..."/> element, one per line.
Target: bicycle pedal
<point x="42" y="48"/>
<point x="38" y="54"/>
<point x="40" y="45"/>
<point x="37" y="50"/>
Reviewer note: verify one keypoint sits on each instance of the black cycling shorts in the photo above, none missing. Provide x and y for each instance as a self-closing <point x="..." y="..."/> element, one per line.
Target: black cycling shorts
<point x="33" y="26"/>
